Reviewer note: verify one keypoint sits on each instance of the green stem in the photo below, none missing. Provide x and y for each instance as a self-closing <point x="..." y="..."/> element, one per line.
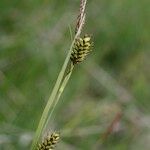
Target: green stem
<point x="51" y="98"/>
<point x="61" y="89"/>
<point x="50" y="101"/>
<point x="49" y="105"/>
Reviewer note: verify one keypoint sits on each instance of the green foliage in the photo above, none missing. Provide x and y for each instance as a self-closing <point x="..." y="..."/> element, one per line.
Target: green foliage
<point x="34" y="39"/>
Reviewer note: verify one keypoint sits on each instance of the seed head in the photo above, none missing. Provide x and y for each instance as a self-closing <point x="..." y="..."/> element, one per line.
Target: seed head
<point x="81" y="49"/>
<point x="49" y="142"/>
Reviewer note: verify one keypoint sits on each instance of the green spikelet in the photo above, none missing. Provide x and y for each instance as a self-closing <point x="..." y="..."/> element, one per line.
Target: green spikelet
<point x="49" y="142"/>
<point x="81" y="49"/>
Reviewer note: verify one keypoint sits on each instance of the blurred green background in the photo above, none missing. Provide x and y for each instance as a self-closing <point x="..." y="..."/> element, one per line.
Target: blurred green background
<point x="106" y="105"/>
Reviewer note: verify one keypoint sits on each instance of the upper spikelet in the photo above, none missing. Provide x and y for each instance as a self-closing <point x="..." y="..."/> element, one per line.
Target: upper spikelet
<point x="49" y="142"/>
<point x="81" y="49"/>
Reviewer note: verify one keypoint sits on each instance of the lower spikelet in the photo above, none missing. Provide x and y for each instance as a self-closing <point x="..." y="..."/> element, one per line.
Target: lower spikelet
<point x="81" y="49"/>
<point x="49" y="142"/>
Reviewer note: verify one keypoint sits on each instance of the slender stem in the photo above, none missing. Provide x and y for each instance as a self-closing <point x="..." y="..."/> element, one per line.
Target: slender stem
<point x="58" y="88"/>
<point x="61" y="89"/>
<point x="50" y="101"/>
<point x="53" y="94"/>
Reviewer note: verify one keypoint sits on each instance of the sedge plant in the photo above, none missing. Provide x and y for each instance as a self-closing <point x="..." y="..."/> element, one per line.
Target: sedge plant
<point x="79" y="49"/>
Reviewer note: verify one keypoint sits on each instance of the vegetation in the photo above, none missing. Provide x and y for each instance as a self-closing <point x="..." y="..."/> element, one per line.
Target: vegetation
<point x="106" y="103"/>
